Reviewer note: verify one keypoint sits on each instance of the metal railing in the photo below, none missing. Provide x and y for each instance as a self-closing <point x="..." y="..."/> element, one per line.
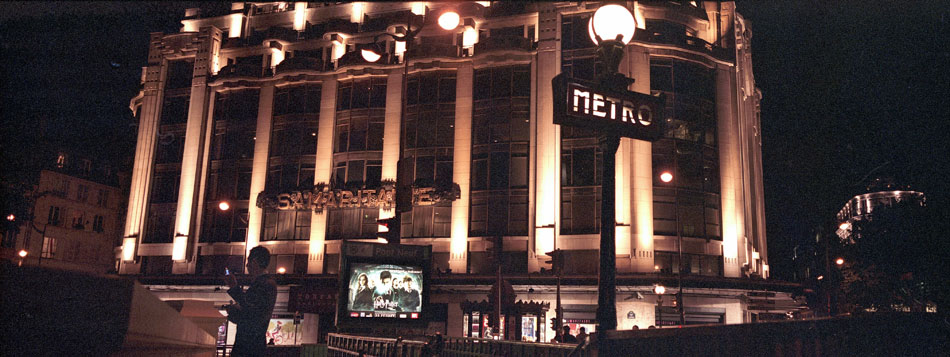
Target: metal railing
<point x="350" y="345"/>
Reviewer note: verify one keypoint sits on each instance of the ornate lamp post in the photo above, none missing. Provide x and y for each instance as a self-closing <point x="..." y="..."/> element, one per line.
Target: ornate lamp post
<point x="611" y="28"/>
<point x="448" y="20"/>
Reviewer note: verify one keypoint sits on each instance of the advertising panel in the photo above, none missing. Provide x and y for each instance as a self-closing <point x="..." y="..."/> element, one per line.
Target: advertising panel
<point x="383" y="284"/>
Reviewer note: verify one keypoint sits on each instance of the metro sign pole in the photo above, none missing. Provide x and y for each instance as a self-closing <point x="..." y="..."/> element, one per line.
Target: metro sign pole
<point x="608" y="107"/>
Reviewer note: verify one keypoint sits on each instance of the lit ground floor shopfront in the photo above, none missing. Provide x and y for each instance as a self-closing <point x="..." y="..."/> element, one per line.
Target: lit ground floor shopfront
<point x="459" y="305"/>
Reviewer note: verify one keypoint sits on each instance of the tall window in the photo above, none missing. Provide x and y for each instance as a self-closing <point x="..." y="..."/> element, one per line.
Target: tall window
<point x="500" y="137"/>
<point x="229" y="175"/>
<point x="49" y="248"/>
<point x="581" y="155"/>
<point x="688" y="150"/>
<point x="357" y="159"/>
<point x="429" y="134"/>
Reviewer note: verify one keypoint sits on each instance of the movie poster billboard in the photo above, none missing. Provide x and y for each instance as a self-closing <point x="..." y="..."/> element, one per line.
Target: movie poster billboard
<point x="383" y="284"/>
<point x="383" y="290"/>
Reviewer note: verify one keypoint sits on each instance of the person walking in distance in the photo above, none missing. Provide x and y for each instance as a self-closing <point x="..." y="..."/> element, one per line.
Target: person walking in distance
<point x="253" y="308"/>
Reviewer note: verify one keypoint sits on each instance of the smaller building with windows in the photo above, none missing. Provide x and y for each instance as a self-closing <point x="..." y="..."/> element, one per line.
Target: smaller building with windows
<point x="74" y="218"/>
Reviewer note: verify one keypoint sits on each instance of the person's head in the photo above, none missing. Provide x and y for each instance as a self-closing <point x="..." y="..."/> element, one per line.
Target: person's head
<point x="362" y="280"/>
<point x="397" y="283"/>
<point x="583" y="330"/>
<point x="385" y="277"/>
<point x="407" y="282"/>
<point x="566" y="329"/>
<point x="257" y="260"/>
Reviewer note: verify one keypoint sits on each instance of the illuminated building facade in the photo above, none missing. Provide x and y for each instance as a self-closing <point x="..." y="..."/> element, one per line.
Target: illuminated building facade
<point x="272" y="105"/>
<point x="881" y="193"/>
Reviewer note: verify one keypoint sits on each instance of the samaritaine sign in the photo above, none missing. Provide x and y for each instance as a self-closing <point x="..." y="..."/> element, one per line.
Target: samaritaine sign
<point x="623" y="113"/>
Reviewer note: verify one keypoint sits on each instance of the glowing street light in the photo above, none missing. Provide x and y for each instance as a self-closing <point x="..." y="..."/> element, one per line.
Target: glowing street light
<point x="659" y="289"/>
<point x="11" y="217"/>
<point x="845" y="226"/>
<point x="839" y="261"/>
<point x="281" y="270"/>
<point x="666" y="176"/>
<point x="370" y="55"/>
<point x="224" y="206"/>
<point x="22" y="253"/>
<point x="449" y="20"/>
<point x="611" y="23"/>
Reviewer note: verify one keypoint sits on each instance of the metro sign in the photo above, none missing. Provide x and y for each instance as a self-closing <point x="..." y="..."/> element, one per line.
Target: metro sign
<point x="624" y="113"/>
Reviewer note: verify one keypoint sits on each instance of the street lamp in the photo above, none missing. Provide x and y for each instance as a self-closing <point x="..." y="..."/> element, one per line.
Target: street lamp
<point x="11" y="217"/>
<point x="449" y="20"/>
<point x="224" y="206"/>
<point x="839" y="261"/>
<point x="22" y="255"/>
<point x="281" y="270"/>
<point x="611" y="28"/>
<point x="667" y="177"/>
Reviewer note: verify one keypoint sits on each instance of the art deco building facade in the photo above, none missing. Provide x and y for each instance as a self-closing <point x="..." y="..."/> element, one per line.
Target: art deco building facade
<point x="272" y="103"/>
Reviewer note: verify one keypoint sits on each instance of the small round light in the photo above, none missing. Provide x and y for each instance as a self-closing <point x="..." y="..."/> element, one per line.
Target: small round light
<point x="11" y="217"/>
<point x="281" y="270"/>
<point x="611" y="21"/>
<point x="370" y="56"/>
<point x="22" y="253"/>
<point x="839" y="261"/>
<point x="666" y="177"/>
<point x="659" y="289"/>
<point x="449" y="20"/>
<point x="845" y="226"/>
<point x="224" y="206"/>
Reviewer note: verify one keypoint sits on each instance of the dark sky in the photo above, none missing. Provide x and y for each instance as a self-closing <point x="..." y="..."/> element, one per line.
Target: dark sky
<point x="850" y="89"/>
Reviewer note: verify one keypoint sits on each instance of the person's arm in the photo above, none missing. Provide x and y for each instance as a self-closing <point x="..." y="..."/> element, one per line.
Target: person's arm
<point x="255" y="301"/>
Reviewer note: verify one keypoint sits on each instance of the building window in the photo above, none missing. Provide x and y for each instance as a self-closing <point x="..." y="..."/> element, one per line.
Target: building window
<point x="179" y="73"/>
<point x="54" y="216"/>
<point x="165" y="187"/>
<point x="500" y="151"/>
<point x="696" y="264"/>
<point x="574" y="32"/>
<point x="430" y="110"/>
<point x="171" y="145"/>
<point x="49" y="248"/>
<point x="160" y="225"/>
<point x="82" y="193"/>
<point x="60" y="160"/>
<point x="688" y="150"/>
<point x="360" y="115"/>
<point x="299" y="99"/>
<point x="224" y="226"/>
<point x="175" y="107"/>
<point x="103" y="199"/>
<point x="352" y="223"/>
<point x="286" y="225"/>
<point x="98" y="224"/>
<point x="86" y="167"/>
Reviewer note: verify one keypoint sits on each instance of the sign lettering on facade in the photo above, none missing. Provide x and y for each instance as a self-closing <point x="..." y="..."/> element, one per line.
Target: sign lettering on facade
<point x="321" y="198"/>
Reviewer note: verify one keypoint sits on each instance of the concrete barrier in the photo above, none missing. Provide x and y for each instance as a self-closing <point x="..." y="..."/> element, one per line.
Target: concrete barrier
<point x="56" y="312"/>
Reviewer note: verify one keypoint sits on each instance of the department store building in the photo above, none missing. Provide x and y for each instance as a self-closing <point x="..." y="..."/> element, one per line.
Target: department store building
<point x="271" y="110"/>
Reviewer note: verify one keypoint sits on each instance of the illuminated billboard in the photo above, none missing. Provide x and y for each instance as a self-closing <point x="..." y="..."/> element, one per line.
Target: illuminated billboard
<point x="383" y="284"/>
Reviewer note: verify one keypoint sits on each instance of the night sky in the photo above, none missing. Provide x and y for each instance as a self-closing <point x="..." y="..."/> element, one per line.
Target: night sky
<point x="851" y="90"/>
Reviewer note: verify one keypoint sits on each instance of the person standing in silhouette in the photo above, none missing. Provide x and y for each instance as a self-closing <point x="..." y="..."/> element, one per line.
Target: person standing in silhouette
<point x="253" y="308"/>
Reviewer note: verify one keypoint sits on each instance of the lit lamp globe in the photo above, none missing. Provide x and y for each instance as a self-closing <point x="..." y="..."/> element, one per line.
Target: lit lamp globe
<point x="370" y="55"/>
<point x="224" y="206"/>
<point x="659" y="289"/>
<point x="611" y="22"/>
<point x="666" y="177"/>
<point x="22" y="253"/>
<point x="449" y="20"/>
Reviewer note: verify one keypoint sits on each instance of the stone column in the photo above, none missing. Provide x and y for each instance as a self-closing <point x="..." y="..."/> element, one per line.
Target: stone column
<point x="144" y="156"/>
<point x="392" y="132"/>
<point x="262" y="136"/>
<point x="727" y="128"/>
<point x="641" y="192"/>
<point x="322" y="172"/>
<point x="547" y="135"/>
<point x="461" y="168"/>
<point x="193" y="156"/>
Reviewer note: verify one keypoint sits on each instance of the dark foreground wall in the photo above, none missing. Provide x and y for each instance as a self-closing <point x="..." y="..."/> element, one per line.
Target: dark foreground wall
<point x="892" y="334"/>
<point x="54" y="312"/>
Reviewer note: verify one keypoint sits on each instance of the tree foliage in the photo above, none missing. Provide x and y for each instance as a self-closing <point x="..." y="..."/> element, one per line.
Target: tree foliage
<point x="897" y="260"/>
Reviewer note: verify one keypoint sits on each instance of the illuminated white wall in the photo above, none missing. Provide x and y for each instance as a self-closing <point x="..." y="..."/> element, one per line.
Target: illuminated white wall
<point x="259" y="166"/>
<point x="728" y="169"/>
<point x="548" y="145"/>
<point x="391" y="129"/>
<point x="300" y="16"/>
<point x="641" y="193"/>
<point x="461" y="169"/>
<point x="142" y="165"/>
<point x="322" y="172"/>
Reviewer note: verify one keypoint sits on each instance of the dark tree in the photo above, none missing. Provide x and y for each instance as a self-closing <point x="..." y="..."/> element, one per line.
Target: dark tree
<point x="896" y="259"/>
